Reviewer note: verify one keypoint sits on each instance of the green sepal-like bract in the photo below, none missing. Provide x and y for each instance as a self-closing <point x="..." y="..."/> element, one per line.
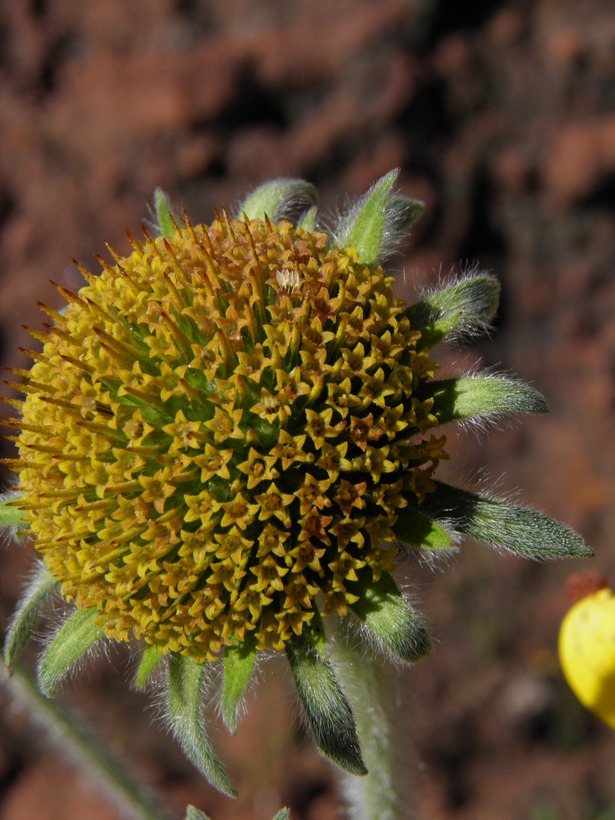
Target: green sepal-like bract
<point x="149" y="661"/>
<point x="498" y="523"/>
<point x="308" y="220"/>
<point x="166" y="221"/>
<point x="11" y="516"/>
<point x="465" y="307"/>
<point x="77" y="635"/>
<point x="363" y="227"/>
<point x="192" y="813"/>
<point x="239" y="659"/>
<point x="401" y="212"/>
<point x="325" y="706"/>
<point x="412" y="527"/>
<point x="481" y="397"/>
<point x="279" y="199"/>
<point x="318" y="635"/>
<point x="184" y="698"/>
<point x="23" y="621"/>
<point x="390" y="618"/>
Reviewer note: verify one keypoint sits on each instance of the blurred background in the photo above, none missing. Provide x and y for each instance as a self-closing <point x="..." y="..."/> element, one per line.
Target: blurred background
<point x="501" y="118"/>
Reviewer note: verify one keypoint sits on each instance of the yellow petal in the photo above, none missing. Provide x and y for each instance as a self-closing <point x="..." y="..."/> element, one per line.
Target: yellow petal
<point x="587" y="653"/>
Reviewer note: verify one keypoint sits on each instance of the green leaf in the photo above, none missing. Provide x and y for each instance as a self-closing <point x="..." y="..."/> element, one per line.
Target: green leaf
<point x="23" y="621"/>
<point x="238" y="666"/>
<point x="11" y="516"/>
<point x="150" y="659"/>
<point x="412" y="527"/>
<point x="183" y="712"/>
<point x="279" y="199"/>
<point x="326" y="708"/>
<point x="481" y="396"/>
<point x="498" y="523"/>
<point x="78" y="634"/>
<point x="387" y="614"/>
<point x="283" y="814"/>
<point x="465" y="307"/>
<point x="363" y="227"/>
<point x="166" y="219"/>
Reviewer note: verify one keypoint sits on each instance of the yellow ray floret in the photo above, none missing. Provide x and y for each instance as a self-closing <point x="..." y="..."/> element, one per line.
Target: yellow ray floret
<point x="221" y="427"/>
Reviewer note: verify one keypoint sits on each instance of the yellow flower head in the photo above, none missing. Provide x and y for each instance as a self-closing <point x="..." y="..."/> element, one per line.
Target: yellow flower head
<point x="228" y="438"/>
<point x="220" y="428"/>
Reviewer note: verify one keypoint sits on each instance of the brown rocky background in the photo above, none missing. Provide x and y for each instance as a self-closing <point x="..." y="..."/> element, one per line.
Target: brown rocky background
<point x="501" y="116"/>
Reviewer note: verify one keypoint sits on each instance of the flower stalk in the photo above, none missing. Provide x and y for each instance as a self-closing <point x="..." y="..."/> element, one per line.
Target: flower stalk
<point x="81" y="746"/>
<point x="386" y="792"/>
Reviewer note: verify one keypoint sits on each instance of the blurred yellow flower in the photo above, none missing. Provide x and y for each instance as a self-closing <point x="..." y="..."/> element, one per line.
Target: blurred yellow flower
<point x="587" y="652"/>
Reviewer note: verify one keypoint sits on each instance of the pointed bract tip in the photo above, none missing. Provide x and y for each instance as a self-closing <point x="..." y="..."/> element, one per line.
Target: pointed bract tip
<point x="280" y="199"/>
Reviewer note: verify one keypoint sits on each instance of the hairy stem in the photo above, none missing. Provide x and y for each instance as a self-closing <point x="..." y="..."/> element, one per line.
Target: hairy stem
<point x="385" y="793"/>
<point x="77" y="742"/>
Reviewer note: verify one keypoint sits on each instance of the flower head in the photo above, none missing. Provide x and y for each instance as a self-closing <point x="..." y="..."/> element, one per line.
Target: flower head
<point x="210" y="405"/>
<point x="231" y="435"/>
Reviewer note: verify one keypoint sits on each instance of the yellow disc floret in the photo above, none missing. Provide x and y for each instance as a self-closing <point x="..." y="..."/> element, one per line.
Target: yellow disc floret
<point x="220" y="428"/>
